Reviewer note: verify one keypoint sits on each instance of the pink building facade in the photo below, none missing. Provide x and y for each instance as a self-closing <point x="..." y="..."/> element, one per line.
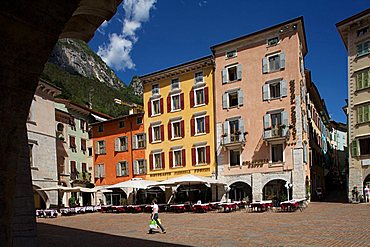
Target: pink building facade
<point x="260" y="113"/>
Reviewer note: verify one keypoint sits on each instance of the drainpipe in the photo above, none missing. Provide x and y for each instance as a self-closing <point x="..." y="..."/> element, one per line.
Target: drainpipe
<point x="214" y="121"/>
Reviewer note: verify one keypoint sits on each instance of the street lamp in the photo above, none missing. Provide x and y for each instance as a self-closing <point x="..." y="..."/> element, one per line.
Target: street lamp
<point x="288" y="186"/>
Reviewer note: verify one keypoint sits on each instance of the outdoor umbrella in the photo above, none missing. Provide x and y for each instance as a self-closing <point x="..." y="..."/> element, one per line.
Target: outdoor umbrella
<point x="61" y="188"/>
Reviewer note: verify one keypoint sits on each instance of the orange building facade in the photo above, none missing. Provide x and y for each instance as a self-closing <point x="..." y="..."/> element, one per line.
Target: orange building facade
<point x="119" y="149"/>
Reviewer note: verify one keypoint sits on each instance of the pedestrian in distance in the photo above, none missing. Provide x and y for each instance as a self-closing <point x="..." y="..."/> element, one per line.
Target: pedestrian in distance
<point x="155" y="216"/>
<point x="367" y="193"/>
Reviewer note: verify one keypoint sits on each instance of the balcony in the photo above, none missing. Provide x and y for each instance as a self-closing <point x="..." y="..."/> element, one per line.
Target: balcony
<point x="277" y="133"/>
<point x="233" y="140"/>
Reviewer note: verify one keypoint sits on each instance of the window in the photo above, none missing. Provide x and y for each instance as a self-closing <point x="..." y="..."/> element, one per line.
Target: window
<point x="231" y="54"/>
<point x="157" y="160"/>
<point x="277" y="152"/>
<point x="232" y="99"/>
<point x="72" y="142"/>
<point x="100" y="128"/>
<point x="99" y="171"/>
<point x="363" y="48"/>
<point x="139" y="120"/>
<point x="156" y="107"/>
<point x="362" y="79"/>
<point x="82" y="125"/>
<point x="364" y="146"/>
<point x="274" y="90"/>
<point x="175" y="102"/>
<point x="201" y="155"/>
<point x="273" y="63"/>
<point x="121" y="124"/>
<point x="73" y="169"/>
<point x="101" y="147"/>
<point x="122" y="169"/>
<point x="234" y="158"/>
<point x="234" y="130"/>
<point x="176" y="130"/>
<point x="177" y="158"/>
<point x="199" y="96"/>
<point x="121" y="144"/>
<point x="30" y="149"/>
<point x="72" y="123"/>
<point x="232" y="73"/>
<point x="155" y="89"/>
<point x="276" y="124"/>
<point x="140" y="167"/>
<point x="156" y="133"/>
<point x="198" y="77"/>
<point x="140" y="139"/>
<point x="90" y="151"/>
<point x="175" y="84"/>
<point x="275" y="120"/>
<point x="363" y="113"/>
<point x="83" y="145"/>
<point x="273" y="41"/>
<point x="200" y="125"/>
<point x="362" y="31"/>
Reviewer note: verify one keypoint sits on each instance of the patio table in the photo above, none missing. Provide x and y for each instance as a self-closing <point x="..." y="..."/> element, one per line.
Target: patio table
<point x="135" y="208"/>
<point x="228" y="206"/>
<point x="261" y="206"/>
<point x="178" y="208"/>
<point x="201" y="208"/>
<point x="289" y="206"/>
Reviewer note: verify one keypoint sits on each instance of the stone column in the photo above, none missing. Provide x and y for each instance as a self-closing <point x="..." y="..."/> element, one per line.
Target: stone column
<point x="355" y="179"/>
<point x="257" y="186"/>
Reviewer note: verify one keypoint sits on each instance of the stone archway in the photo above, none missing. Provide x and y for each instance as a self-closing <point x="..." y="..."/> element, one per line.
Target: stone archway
<point x="30" y="30"/>
<point x="40" y="198"/>
<point x="240" y="191"/>
<point x="275" y="190"/>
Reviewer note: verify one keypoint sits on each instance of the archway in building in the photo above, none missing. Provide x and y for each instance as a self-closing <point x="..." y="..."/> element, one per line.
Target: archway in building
<point x="275" y="190"/>
<point x="367" y="181"/>
<point x="39" y="201"/>
<point x="193" y="193"/>
<point x="240" y="191"/>
<point x="116" y="197"/>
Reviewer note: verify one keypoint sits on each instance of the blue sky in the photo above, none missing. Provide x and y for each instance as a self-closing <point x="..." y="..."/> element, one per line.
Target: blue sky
<point x="148" y="35"/>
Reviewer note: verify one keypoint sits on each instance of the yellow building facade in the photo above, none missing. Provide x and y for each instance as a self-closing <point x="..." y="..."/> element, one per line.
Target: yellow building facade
<point x="178" y="119"/>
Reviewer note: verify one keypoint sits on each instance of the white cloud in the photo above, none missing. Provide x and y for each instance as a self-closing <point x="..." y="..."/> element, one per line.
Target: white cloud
<point x="202" y="3"/>
<point x="117" y="52"/>
<point x="102" y="27"/>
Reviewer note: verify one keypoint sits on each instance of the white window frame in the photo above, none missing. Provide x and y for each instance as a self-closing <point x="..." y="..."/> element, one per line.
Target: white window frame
<point x="172" y="83"/>
<point x="124" y="162"/>
<point x="172" y="96"/>
<point x="273" y="83"/>
<point x="196" y="125"/>
<point x="138" y="167"/>
<point x="362" y="44"/>
<point x="137" y="140"/>
<point x="196" y="99"/>
<point x="153" y="92"/>
<point x="240" y="157"/>
<point x="228" y="98"/>
<point x="121" y="149"/>
<point x="173" y="130"/>
<point x="174" y="159"/>
<point x="197" y="158"/>
<point x="236" y="72"/>
<point x="159" y="107"/>
<point x="153" y="133"/>
<point x="100" y="146"/>
<point x="195" y="78"/>
<point x="230" y="51"/>
<point x="268" y="62"/>
<point x="161" y="161"/>
<point x="277" y="143"/>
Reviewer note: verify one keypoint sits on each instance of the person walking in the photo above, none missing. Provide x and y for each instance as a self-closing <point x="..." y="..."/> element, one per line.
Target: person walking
<point x="154" y="215"/>
<point x="367" y="193"/>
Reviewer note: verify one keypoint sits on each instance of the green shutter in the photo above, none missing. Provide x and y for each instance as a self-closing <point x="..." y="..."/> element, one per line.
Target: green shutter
<point x="359" y="114"/>
<point x="366" y="113"/>
<point x="359" y="81"/>
<point x="365" y="79"/>
<point x="355" y="148"/>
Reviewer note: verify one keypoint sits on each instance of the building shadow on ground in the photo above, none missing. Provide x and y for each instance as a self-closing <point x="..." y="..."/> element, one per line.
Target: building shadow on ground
<point x="51" y="235"/>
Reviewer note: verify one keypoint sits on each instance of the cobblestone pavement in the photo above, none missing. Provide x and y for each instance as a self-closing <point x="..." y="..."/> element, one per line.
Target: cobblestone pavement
<point x="321" y="224"/>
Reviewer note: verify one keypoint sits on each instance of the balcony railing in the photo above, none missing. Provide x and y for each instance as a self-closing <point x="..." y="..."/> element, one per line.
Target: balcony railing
<point x="233" y="139"/>
<point x="275" y="133"/>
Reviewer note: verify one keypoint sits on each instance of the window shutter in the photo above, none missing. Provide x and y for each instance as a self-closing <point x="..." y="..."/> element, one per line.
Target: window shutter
<point x="162" y="132"/>
<point x="145" y="167"/>
<point x="191" y="95"/>
<point x="305" y="153"/>
<point x="182" y="128"/>
<point x="96" y="171"/>
<point x="224" y="76"/>
<point x="267" y="134"/>
<point x="127" y="168"/>
<point x="182" y="104"/>
<point x="282" y="60"/>
<point x="359" y="81"/>
<point x="206" y="96"/>
<point x="241" y="129"/>
<point x="134" y="141"/>
<point x="149" y="108"/>
<point x="161" y="105"/>
<point x="96" y="148"/>
<point x="183" y="158"/>
<point x="264" y="65"/>
<point x="136" y="167"/>
<point x="169" y="130"/>
<point x="285" y="121"/>
<point x="192" y="126"/>
<point x="267" y="121"/>
<point x="207" y="124"/>
<point x="170" y="154"/>
<point x="224" y="101"/>
<point x="84" y="167"/>
<point x="150" y="133"/>
<point x="116" y="145"/>
<point x="283" y="88"/>
<point x="193" y="156"/>
<point x="266" y="92"/>
<point x="102" y="171"/>
<point x="208" y="154"/>
<point x="169" y="103"/>
<point x="239" y="72"/>
<point x="118" y="169"/>
<point x="73" y="166"/>
<point x="151" y="161"/>
<point x="240" y="97"/>
<point x="163" y="165"/>
<point x="355" y="147"/>
<point x="226" y="132"/>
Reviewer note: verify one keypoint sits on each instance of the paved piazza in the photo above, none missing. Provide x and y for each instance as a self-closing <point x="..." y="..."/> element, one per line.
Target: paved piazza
<point x="321" y="224"/>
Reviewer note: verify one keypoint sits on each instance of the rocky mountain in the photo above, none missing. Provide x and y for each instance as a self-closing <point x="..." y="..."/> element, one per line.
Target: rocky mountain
<point x="137" y="86"/>
<point x="77" y="58"/>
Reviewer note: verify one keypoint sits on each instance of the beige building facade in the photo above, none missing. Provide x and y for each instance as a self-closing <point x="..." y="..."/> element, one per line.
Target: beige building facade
<point x="260" y="111"/>
<point x="355" y="33"/>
